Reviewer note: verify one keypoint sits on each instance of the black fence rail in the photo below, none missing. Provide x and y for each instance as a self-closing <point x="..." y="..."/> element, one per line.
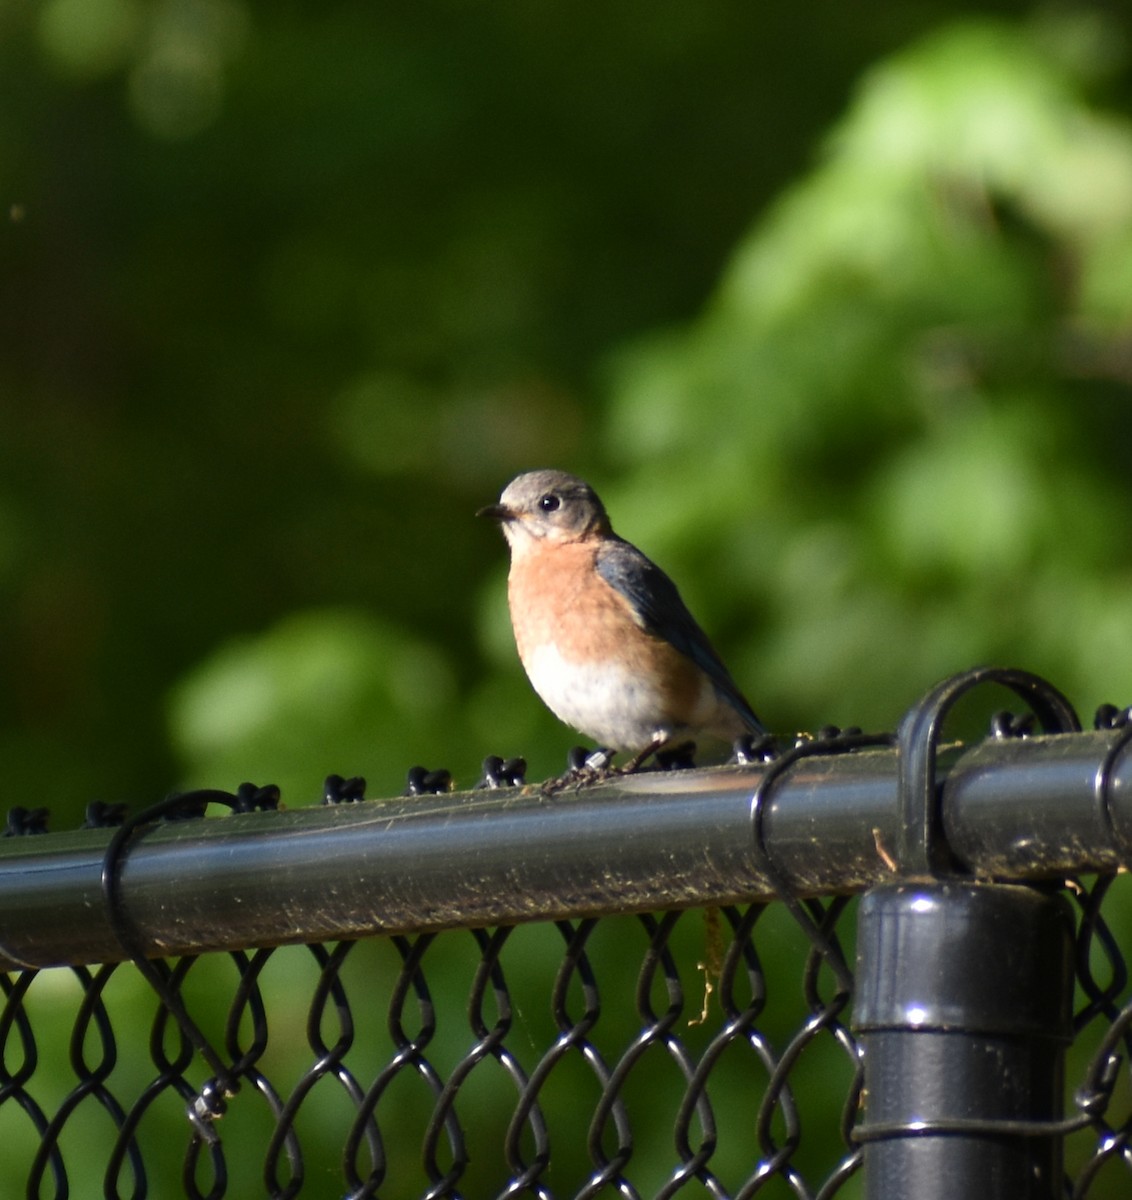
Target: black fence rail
<point x="869" y="966"/>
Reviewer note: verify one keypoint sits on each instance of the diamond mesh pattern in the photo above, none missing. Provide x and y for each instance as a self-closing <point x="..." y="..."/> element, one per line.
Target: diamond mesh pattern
<point x="634" y="1056"/>
<point x="703" y="1053"/>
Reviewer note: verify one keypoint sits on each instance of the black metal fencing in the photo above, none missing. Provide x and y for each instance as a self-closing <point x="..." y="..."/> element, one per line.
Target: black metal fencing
<point x="868" y="966"/>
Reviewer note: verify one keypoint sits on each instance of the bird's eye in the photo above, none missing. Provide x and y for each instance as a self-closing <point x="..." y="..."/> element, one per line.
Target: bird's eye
<point x="549" y="502"/>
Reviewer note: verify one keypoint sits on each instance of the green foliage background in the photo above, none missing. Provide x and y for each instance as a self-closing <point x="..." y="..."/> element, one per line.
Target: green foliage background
<point x="832" y="303"/>
<point x="835" y="308"/>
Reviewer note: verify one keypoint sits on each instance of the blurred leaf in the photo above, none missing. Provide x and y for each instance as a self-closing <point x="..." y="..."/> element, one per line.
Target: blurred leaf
<point x="321" y="692"/>
<point x="87" y="38"/>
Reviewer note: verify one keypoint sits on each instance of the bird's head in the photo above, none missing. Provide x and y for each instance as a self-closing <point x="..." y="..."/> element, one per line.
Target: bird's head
<point x="548" y="505"/>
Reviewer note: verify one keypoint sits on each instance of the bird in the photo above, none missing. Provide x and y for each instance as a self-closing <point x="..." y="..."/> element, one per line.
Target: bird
<point x="603" y="634"/>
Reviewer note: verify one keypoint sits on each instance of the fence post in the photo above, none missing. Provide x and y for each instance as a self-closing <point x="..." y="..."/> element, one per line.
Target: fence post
<point x="963" y="1013"/>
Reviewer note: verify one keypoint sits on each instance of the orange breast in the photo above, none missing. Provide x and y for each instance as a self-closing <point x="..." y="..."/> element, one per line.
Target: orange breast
<point x="558" y="598"/>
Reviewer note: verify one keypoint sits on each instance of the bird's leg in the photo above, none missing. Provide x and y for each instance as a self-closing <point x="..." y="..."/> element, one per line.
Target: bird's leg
<point x="595" y="766"/>
<point x="659" y="737"/>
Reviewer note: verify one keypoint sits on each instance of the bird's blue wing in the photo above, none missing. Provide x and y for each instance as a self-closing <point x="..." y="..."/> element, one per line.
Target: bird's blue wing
<point x="660" y="610"/>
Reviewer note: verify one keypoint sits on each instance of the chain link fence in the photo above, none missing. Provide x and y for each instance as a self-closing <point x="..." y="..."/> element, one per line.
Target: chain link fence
<point x="867" y="967"/>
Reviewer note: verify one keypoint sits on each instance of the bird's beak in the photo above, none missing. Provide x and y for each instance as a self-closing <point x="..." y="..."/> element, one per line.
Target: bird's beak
<point x="498" y="512"/>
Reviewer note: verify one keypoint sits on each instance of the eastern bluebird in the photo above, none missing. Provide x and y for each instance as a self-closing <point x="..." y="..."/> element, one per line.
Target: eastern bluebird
<point x="602" y="632"/>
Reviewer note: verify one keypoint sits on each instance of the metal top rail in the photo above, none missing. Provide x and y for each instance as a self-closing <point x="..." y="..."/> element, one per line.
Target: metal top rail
<point x="1016" y="808"/>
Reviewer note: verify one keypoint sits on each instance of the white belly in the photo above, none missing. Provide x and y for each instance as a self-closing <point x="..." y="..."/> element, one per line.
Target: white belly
<point x="613" y="706"/>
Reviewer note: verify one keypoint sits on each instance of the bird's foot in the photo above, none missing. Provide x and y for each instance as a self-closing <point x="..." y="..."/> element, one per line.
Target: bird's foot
<point x="583" y="767"/>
